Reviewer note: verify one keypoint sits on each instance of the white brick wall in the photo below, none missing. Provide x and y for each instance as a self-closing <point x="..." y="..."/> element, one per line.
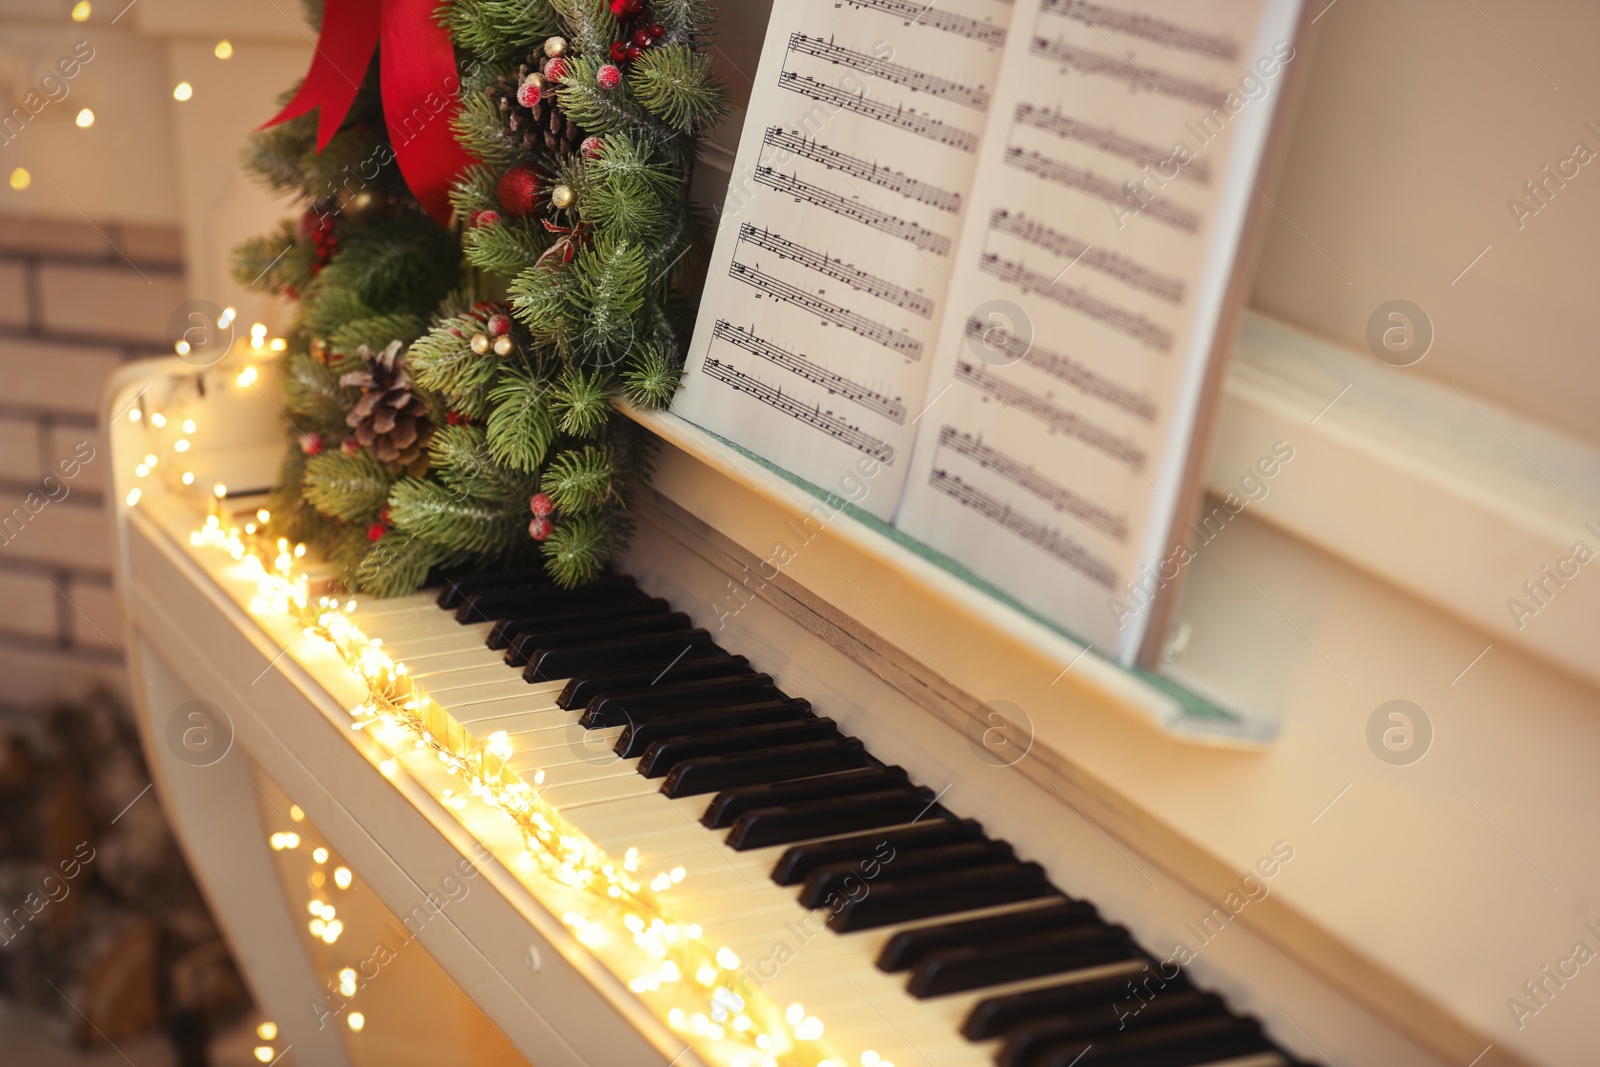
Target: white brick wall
<point x="72" y="308"/>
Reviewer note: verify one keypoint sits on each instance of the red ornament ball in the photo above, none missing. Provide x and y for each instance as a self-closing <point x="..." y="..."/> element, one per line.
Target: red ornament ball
<point x="518" y="190"/>
<point x="608" y="77"/>
<point x="311" y="444"/>
<point x="619" y="8"/>
<point x="541" y="504"/>
<point x="529" y="94"/>
<point x="485" y="218"/>
<point x="376" y="531"/>
<point x="591" y="147"/>
<point x="540" y="528"/>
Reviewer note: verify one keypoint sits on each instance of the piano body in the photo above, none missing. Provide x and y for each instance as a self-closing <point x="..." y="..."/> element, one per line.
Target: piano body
<point x="1432" y="901"/>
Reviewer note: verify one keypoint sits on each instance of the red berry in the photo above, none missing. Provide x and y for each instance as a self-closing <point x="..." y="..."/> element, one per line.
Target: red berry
<point x="528" y="94"/>
<point x="311" y="444"/>
<point x="619" y="8"/>
<point x="619" y="50"/>
<point x="556" y="69"/>
<point x="485" y="218"/>
<point x="383" y="514"/>
<point x="656" y="31"/>
<point x="608" y="77"/>
<point x="499" y="325"/>
<point x="591" y="147"/>
<point x="634" y="6"/>
<point x="634" y="51"/>
<point x="375" y="531"/>
<point x="350" y="446"/>
<point x="641" y="38"/>
<point x="455" y="418"/>
<point x="518" y="190"/>
<point x="541" y="504"/>
<point x="540" y="528"/>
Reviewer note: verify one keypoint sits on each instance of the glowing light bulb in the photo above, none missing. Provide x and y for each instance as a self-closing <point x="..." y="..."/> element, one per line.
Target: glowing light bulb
<point x="295" y="811"/>
<point x="182" y="91"/>
<point x="219" y="490"/>
<point x="357" y="1021"/>
<point x="247" y="377"/>
<point x="224" y="49"/>
<point x="188" y="426"/>
<point x="180" y="445"/>
<point x="157" y="419"/>
<point x="181" y="347"/>
<point x="141" y="470"/>
<point x="135" y="415"/>
<point x="263" y="515"/>
<point x="81" y="11"/>
<point x="225" y="319"/>
<point x="21" y="178"/>
<point x="133" y="496"/>
<point x="342" y="877"/>
<point x="85" y="119"/>
<point x="267" y="1031"/>
<point x="320" y="855"/>
<point x="264" y="1053"/>
<point x="188" y="477"/>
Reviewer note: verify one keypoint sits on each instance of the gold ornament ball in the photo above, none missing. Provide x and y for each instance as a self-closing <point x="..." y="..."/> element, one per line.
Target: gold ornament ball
<point x="562" y="196"/>
<point x="536" y="80"/>
<point x="502" y="346"/>
<point x="555" y="46"/>
<point x="480" y="343"/>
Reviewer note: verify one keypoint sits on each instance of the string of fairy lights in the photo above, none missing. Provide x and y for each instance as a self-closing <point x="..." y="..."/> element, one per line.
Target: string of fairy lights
<point x="626" y="918"/>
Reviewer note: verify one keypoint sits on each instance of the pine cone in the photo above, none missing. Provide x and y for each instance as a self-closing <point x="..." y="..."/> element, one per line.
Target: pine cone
<point x="389" y="418"/>
<point x="541" y="129"/>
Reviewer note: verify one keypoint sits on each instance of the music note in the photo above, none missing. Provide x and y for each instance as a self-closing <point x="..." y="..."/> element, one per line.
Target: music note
<point x="927" y="14"/>
<point x="1044" y="536"/>
<point x="1067" y="422"/>
<point x="1111" y="264"/>
<point x="1059" y="173"/>
<point x="1135" y="325"/>
<point x="876" y="173"/>
<point x="855" y="322"/>
<point x="1052" y="121"/>
<point x="1067" y="371"/>
<point x="810" y="414"/>
<point x="801" y="367"/>
<point x="920" y="236"/>
<point x="837" y="269"/>
<point x="1025" y="477"/>
<point x="1088" y="61"/>
<point x="1158" y="31"/>
<point x="900" y="116"/>
<point x="916" y="80"/>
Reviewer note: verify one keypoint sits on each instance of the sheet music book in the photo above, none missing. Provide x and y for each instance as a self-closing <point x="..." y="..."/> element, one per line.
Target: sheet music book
<point x="974" y="263"/>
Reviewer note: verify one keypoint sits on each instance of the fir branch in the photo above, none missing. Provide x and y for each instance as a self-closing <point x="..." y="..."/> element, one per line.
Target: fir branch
<point x="442" y="361"/>
<point x="431" y="511"/>
<point x="522" y="422"/>
<point x="312" y="394"/>
<point x="351" y="488"/>
<point x="399" y="563"/>
<point x="683" y="20"/>
<point x="374" y="331"/>
<point x="673" y="82"/>
<point x="461" y="458"/>
<point x="481" y="130"/>
<point x="651" y="377"/>
<point x="579" y="547"/>
<point x="581" y="480"/>
<point x="610" y="278"/>
<point x="583" y="401"/>
<point x="589" y="22"/>
<point x="541" y="301"/>
<point x="604" y="110"/>
<point x="499" y="29"/>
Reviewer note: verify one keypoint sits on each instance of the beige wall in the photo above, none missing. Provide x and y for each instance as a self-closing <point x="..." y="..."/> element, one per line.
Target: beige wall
<point x="1419" y="120"/>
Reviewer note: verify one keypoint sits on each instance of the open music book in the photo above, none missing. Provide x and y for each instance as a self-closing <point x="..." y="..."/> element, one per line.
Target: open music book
<point x="973" y="267"/>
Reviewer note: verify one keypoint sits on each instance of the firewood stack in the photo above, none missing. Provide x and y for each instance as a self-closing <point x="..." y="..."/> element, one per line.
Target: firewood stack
<point x="103" y="932"/>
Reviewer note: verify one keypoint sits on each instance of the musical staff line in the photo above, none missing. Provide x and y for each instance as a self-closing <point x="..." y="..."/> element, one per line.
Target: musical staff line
<point x="1040" y="534"/>
<point x="856" y="323"/>
<point x="1025" y="477"/>
<point x="1088" y="61"/>
<point x="1157" y="31"/>
<point x="801" y="367"/>
<point x="1111" y="264"/>
<point x="1065" y="370"/>
<point x="1053" y="170"/>
<point x="876" y="173"/>
<point x="915" y="80"/>
<point x="1141" y="329"/>
<point x="898" y="116"/>
<point x="812" y="415"/>
<point x="906" y="230"/>
<point x="838" y="270"/>
<point x="921" y="14"/>
<point x="1069" y="423"/>
<point x="1106" y="139"/>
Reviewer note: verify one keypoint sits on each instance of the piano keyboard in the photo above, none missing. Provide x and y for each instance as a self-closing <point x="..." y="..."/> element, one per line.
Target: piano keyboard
<point x="841" y="883"/>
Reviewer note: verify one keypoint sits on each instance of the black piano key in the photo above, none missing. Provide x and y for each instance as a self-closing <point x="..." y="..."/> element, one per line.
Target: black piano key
<point x="637" y="737"/>
<point x="998" y="1016"/>
<point x="459" y="586"/>
<point x="641" y="653"/>
<point x="579" y="691"/>
<point x="507" y="630"/>
<point x="712" y="773"/>
<point x="1117" y="1011"/>
<point x="829" y="817"/>
<point x="1181" y="1043"/>
<point x="532" y="642"/>
<point x="955" y="970"/>
<point x="660" y="757"/>
<point x="892" y="902"/>
<point x="500" y="601"/>
<point x="732" y="803"/>
<point x="907" y="948"/>
<point x="825" y="882"/>
<point x="797" y="863"/>
<point x="683" y="697"/>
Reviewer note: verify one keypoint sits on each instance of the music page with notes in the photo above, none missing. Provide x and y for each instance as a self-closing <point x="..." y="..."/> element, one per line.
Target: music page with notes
<point x="836" y="242"/>
<point x="1100" y="239"/>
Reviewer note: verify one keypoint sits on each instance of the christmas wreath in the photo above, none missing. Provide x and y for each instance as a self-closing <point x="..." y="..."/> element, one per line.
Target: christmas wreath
<point x="449" y="385"/>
